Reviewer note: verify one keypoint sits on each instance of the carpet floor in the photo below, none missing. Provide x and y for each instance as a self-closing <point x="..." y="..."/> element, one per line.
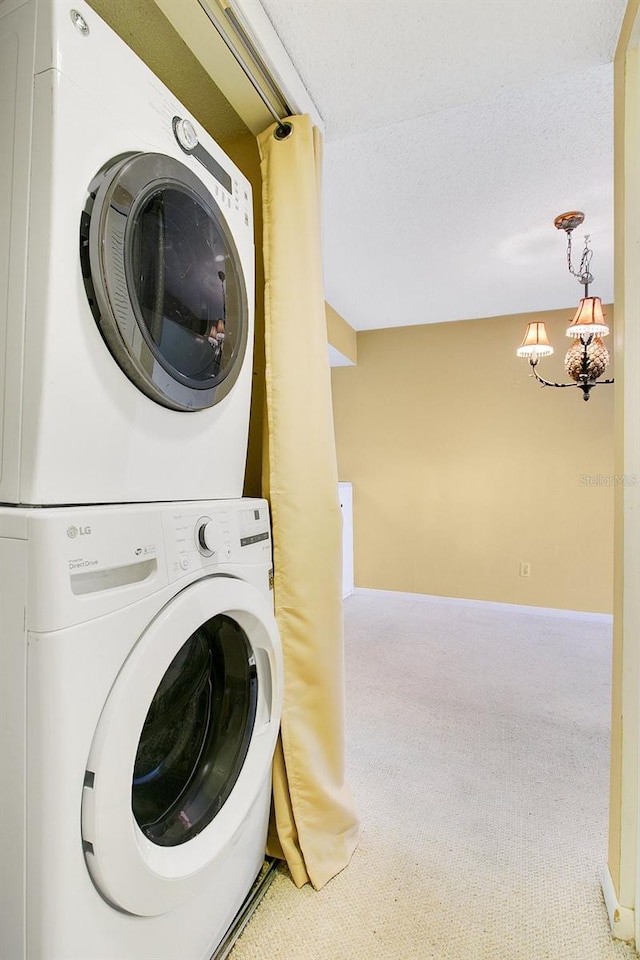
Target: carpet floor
<point x="478" y="753"/>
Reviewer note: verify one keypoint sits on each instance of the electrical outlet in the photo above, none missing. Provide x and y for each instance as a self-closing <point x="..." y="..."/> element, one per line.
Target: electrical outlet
<point x="525" y="568"/>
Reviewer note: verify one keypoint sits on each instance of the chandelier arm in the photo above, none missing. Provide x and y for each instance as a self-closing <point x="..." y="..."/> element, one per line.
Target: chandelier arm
<point x="548" y="383"/>
<point x="584" y="383"/>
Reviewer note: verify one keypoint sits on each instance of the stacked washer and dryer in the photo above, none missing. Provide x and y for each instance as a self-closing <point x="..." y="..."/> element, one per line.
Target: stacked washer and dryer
<point x="140" y="663"/>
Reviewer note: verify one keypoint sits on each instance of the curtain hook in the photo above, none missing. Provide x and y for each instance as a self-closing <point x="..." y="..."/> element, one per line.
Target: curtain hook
<point x="283" y="131"/>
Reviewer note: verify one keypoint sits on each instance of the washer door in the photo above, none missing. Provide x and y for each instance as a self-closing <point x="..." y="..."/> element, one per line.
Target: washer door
<point x="164" y="280"/>
<point x="183" y="745"/>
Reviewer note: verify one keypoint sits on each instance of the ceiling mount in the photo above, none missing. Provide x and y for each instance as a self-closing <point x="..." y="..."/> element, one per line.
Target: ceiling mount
<point x="569" y="221"/>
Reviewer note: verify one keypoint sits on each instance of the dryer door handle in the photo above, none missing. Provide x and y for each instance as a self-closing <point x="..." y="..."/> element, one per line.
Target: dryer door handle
<point x="265" y="688"/>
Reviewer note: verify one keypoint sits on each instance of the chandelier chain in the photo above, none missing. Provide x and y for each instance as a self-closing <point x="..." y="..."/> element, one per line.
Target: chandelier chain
<point x="583" y="273"/>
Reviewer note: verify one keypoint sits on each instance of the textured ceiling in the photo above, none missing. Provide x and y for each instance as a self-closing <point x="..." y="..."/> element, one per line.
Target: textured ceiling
<point x="456" y="130"/>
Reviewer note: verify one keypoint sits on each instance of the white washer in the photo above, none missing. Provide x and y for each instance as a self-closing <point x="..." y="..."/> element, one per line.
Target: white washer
<point x="141" y="684"/>
<point x="126" y="276"/>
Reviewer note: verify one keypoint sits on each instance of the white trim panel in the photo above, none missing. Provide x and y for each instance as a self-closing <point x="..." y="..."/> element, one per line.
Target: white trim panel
<point x="621" y="919"/>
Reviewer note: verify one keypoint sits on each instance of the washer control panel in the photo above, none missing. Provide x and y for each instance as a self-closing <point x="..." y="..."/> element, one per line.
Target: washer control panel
<point x="82" y="561"/>
<point x="197" y="537"/>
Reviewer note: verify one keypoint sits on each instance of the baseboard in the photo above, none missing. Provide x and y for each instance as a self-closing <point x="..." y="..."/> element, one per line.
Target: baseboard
<point x="621" y="919"/>
<point x="488" y="605"/>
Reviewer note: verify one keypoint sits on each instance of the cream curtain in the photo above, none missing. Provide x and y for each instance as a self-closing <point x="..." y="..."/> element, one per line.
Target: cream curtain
<point x="314" y="826"/>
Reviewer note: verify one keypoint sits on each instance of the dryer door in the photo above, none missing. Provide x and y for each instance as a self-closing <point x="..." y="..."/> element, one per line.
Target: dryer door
<point x="183" y="746"/>
<point x="164" y="280"/>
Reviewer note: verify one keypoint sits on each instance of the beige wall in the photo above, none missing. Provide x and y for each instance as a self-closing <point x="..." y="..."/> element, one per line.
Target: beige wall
<point x="462" y="466"/>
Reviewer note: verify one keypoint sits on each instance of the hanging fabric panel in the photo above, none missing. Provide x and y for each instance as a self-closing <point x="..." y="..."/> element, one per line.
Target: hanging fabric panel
<point x="314" y="827"/>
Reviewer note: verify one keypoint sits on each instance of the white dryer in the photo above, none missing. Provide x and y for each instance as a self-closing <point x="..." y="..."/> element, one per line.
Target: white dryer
<point x="141" y="684"/>
<point x="126" y="276"/>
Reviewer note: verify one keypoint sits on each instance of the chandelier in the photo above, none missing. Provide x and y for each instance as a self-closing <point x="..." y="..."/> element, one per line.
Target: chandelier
<point x="587" y="359"/>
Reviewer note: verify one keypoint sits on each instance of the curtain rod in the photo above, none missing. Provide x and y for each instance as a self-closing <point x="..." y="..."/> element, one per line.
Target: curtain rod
<point x="284" y="129"/>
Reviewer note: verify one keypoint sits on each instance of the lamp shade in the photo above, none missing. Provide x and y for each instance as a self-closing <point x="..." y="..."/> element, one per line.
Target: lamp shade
<point x="536" y="342"/>
<point x="589" y="319"/>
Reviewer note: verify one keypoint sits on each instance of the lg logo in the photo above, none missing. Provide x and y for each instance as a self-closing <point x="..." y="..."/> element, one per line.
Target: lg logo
<point x="73" y="532"/>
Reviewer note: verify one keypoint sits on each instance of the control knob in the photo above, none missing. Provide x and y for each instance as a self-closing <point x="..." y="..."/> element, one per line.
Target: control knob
<point x="185" y="134"/>
<point x="206" y="536"/>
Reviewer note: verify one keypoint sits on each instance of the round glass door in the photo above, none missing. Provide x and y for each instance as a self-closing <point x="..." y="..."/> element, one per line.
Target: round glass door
<point x="183" y="746"/>
<point x="196" y="734"/>
<point x="164" y="280"/>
